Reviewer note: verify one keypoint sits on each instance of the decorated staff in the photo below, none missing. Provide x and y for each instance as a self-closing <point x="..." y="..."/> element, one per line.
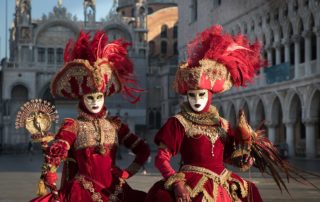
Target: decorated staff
<point x="37" y="117"/>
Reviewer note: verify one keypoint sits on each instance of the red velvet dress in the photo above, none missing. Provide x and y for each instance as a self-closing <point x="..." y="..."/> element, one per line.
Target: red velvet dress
<point x="90" y="176"/>
<point x="204" y="149"/>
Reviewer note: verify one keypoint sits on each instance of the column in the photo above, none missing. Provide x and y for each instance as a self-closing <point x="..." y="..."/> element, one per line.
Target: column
<point x="307" y="48"/>
<point x="272" y="132"/>
<point x="269" y="55"/>
<point x="287" y="50"/>
<point x="296" y="39"/>
<point x="278" y="53"/>
<point x="311" y="139"/>
<point x="290" y="138"/>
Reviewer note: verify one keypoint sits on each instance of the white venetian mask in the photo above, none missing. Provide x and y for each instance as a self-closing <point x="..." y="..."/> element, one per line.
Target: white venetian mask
<point x="94" y="102"/>
<point x="197" y="99"/>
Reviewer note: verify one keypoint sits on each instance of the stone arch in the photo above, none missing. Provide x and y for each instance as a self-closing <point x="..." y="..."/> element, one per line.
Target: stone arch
<point x="45" y="93"/>
<point x="118" y="28"/>
<point x="19" y="95"/>
<point x="288" y="31"/>
<point x="299" y="26"/>
<point x="64" y="23"/>
<point x="245" y="107"/>
<point x="277" y="121"/>
<point x="221" y="111"/>
<point x="310" y="22"/>
<point x="295" y="118"/>
<point x="260" y="115"/>
<point x="313" y="106"/>
<point x="314" y="116"/>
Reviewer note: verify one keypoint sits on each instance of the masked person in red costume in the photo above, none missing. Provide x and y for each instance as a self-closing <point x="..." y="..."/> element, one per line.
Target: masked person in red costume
<point x="216" y="62"/>
<point x="88" y="144"/>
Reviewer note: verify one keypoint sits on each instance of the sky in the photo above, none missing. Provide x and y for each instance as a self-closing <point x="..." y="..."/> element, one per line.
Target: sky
<point x="40" y="7"/>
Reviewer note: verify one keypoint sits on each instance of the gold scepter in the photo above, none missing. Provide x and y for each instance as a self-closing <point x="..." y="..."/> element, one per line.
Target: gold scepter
<point x="37" y="117"/>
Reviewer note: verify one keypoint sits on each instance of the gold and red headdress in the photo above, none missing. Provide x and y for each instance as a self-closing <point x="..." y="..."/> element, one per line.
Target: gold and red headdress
<point x="95" y="66"/>
<point x="217" y="61"/>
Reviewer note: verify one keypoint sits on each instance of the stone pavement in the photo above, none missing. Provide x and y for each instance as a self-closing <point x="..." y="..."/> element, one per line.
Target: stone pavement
<point x="19" y="175"/>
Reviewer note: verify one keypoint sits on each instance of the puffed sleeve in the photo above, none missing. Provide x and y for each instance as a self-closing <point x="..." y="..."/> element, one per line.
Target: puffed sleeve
<point x="171" y="135"/>
<point x="68" y="131"/>
<point x="133" y="142"/>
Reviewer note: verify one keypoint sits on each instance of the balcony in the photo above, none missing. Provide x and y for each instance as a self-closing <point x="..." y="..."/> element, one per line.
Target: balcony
<point x="279" y="73"/>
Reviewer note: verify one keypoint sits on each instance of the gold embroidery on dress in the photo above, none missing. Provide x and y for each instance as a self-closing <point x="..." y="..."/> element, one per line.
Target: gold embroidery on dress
<point x="89" y="134"/>
<point x="208" y="118"/>
<point x="217" y="180"/>
<point x="95" y="196"/>
<point x="194" y="130"/>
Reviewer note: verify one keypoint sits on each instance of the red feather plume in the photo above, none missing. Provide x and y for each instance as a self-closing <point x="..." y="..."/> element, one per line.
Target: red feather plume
<point x="241" y="58"/>
<point x="115" y="52"/>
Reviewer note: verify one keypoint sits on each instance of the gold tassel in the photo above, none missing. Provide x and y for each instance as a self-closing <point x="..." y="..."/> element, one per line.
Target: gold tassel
<point x="41" y="188"/>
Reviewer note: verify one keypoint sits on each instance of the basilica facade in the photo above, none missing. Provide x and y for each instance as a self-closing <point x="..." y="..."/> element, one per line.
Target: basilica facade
<point x="285" y="98"/>
<point x="36" y="53"/>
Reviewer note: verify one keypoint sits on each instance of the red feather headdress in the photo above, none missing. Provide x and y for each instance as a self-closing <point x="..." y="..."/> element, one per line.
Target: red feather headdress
<point x="95" y="66"/>
<point x="217" y="61"/>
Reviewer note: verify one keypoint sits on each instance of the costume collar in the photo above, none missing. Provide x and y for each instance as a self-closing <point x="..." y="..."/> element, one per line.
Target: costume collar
<point x="85" y="115"/>
<point x="206" y="118"/>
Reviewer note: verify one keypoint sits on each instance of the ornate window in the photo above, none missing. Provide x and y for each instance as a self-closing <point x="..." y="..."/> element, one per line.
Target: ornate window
<point x="41" y="55"/>
<point x="164" y="31"/>
<point x="59" y="53"/>
<point x="163" y="47"/>
<point x="50" y="56"/>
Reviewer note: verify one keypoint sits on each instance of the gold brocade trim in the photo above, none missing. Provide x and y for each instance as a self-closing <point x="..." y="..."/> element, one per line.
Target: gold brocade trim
<point x="72" y="128"/>
<point x="133" y="168"/>
<point x="99" y="132"/>
<point x="243" y="188"/>
<point x="173" y="179"/>
<point x="95" y="196"/>
<point x="193" y="130"/>
<point x="218" y="180"/>
<point x="209" y="118"/>
<point x="208" y="69"/>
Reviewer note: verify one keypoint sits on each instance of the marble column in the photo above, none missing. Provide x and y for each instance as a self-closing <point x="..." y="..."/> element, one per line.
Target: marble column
<point x="311" y="138"/>
<point x="296" y="39"/>
<point x="287" y="50"/>
<point x="290" y="138"/>
<point x="307" y="56"/>
<point x="272" y="132"/>
<point x="278" y="53"/>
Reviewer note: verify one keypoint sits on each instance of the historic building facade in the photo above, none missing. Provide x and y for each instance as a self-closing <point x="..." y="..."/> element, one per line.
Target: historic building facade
<point x="36" y="53"/>
<point x="287" y="94"/>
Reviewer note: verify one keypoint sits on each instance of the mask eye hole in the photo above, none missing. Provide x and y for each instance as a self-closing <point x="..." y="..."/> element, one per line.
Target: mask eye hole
<point x="99" y="97"/>
<point x="191" y="95"/>
<point x="90" y="98"/>
<point x="202" y="94"/>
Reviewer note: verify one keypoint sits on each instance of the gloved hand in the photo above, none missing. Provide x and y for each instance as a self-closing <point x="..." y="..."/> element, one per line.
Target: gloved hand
<point x="181" y="192"/>
<point x="123" y="174"/>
